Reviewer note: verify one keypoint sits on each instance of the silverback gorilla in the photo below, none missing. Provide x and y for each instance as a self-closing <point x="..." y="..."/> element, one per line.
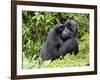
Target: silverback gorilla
<point x="62" y="39"/>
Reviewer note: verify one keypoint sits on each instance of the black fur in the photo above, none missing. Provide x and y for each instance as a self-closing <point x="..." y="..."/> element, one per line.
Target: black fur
<point x="62" y="39"/>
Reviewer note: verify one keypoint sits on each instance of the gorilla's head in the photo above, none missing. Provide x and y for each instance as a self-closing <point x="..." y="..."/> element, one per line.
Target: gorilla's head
<point x="67" y="30"/>
<point x="70" y="29"/>
<point x="71" y="25"/>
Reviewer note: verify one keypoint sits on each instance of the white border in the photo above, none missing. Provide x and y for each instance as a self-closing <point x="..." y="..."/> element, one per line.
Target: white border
<point x="21" y="71"/>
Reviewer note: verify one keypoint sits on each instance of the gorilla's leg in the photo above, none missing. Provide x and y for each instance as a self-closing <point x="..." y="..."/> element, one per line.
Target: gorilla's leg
<point x="70" y="46"/>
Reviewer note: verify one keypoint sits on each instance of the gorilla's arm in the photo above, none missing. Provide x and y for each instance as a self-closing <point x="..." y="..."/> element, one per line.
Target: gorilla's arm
<point x="50" y="48"/>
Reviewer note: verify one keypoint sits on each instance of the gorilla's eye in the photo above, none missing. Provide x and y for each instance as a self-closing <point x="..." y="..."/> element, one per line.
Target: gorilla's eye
<point x="61" y="26"/>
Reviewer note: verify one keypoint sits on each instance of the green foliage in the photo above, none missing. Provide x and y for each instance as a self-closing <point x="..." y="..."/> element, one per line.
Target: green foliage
<point x="36" y="25"/>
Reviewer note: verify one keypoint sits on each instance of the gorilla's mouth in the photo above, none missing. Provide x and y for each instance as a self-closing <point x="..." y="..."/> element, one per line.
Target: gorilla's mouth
<point x="65" y="36"/>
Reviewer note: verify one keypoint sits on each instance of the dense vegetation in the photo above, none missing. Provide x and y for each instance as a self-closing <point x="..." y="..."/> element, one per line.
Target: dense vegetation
<point x="35" y="26"/>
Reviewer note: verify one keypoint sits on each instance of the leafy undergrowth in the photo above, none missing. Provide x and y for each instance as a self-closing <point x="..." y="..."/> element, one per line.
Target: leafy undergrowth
<point x="81" y="59"/>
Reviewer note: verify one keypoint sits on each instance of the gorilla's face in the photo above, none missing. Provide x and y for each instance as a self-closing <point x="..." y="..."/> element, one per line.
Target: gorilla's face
<point x="70" y="30"/>
<point x="65" y="33"/>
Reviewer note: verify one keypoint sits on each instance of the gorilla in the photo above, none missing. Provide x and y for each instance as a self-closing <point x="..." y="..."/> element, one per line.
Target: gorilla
<point x="62" y="39"/>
